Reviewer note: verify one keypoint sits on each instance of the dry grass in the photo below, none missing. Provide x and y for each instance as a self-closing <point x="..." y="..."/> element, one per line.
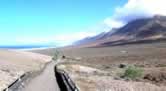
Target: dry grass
<point x="149" y="57"/>
<point x="89" y="81"/>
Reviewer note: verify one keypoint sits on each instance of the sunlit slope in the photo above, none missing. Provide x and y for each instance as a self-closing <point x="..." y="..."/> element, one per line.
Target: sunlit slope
<point x="15" y="63"/>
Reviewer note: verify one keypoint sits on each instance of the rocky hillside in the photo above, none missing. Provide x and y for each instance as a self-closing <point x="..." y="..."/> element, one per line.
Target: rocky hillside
<point x="137" y="30"/>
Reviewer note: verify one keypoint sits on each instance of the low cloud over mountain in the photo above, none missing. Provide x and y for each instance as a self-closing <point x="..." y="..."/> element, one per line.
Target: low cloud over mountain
<point x="135" y="9"/>
<point x="145" y="29"/>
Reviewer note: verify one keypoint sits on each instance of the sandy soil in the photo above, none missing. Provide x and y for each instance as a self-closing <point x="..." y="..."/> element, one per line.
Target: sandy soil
<point x="92" y="79"/>
<point x="15" y="63"/>
<point x="149" y="57"/>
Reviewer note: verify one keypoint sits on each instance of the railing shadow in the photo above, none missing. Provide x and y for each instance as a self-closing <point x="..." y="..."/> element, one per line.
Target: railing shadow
<point x="64" y="81"/>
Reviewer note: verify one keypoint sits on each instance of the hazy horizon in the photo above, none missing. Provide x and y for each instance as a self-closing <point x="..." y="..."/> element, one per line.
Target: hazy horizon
<point x="61" y="22"/>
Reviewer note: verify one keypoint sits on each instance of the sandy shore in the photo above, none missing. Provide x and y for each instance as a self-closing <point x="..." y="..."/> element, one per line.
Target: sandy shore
<point x="14" y="63"/>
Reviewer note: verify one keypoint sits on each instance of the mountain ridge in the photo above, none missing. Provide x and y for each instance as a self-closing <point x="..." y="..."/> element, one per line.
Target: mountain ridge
<point x="140" y="29"/>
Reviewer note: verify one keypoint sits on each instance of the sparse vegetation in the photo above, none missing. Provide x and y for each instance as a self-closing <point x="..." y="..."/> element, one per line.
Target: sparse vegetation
<point x="148" y="57"/>
<point x="133" y="72"/>
<point x="161" y="65"/>
<point x="56" y="55"/>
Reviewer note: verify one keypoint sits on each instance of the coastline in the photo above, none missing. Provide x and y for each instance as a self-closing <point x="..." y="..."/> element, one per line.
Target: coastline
<point x="32" y="49"/>
<point x="26" y="49"/>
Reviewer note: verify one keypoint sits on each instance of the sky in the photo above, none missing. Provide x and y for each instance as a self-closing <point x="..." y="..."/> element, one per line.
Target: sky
<point x="61" y="22"/>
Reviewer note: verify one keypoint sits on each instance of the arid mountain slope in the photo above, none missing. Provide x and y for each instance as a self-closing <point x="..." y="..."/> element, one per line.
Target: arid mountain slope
<point x="143" y="28"/>
<point x="136" y="30"/>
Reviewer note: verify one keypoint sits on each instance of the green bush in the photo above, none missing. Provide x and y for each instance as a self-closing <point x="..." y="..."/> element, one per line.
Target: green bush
<point x="133" y="72"/>
<point x="56" y="55"/>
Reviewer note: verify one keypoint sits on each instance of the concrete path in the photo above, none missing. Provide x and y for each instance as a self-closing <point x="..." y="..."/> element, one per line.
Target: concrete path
<point x="46" y="81"/>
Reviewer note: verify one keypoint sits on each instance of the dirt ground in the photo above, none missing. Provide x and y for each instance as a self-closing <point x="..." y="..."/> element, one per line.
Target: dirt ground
<point x="151" y="58"/>
<point x="91" y="79"/>
<point x="14" y="63"/>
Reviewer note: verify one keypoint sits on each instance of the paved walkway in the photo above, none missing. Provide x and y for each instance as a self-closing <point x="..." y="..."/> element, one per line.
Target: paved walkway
<point x="46" y="81"/>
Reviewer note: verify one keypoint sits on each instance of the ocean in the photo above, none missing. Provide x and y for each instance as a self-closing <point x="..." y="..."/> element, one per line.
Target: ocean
<point x="25" y="47"/>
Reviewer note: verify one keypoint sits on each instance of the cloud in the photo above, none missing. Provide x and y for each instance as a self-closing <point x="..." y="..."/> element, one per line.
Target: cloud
<point x="66" y="39"/>
<point x="135" y="9"/>
<point x="34" y="40"/>
<point x="55" y="40"/>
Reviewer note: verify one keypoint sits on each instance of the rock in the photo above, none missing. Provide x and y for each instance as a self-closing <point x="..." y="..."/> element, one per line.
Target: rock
<point x="63" y="57"/>
<point x="124" y="52"/>
<point x="122" y="66"/>
<point x="158" y="77"/>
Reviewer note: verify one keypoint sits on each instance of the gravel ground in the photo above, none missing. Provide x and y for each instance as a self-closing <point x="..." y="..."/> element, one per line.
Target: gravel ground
<point x="45" y="81"/>
<point x="92" y="79"/>
<point x="148" y="57"/>
<point x="15" y="63"/>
